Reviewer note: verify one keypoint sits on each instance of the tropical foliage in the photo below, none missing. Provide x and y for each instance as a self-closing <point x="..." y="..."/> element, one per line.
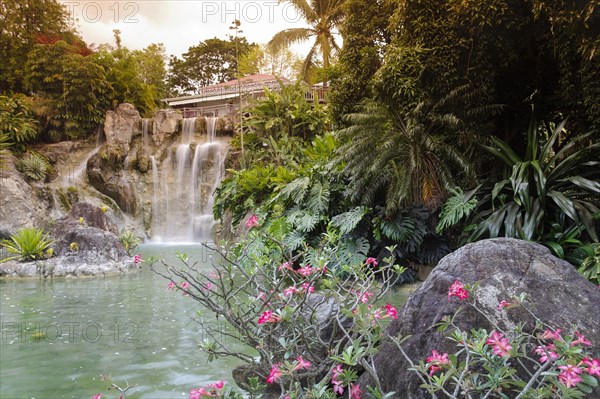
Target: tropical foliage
<point x="550" y="194"/>
<point x="27" y="244"/>
<point x="548" y="184"/>
<point x="17" y="123"/>
<point x="403" y="158"/>
<point x="286" y="112"/>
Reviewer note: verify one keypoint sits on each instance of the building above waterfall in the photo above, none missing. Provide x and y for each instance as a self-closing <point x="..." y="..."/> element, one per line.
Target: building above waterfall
<point x="224" y="98"/>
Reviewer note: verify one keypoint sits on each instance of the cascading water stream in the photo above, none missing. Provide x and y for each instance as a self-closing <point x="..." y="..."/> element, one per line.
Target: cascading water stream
<point x="182" y="202"/>
<point x="146" y="133"/>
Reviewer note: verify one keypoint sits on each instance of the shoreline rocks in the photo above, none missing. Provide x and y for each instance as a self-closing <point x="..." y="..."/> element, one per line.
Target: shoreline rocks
<point x="86" y="244"/>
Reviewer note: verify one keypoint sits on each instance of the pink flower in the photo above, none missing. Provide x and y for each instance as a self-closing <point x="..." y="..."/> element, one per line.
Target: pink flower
<point x="97" y="396"/>
<point x="338" y="386"/>
<point x="171" y="285"/>
<point x="290" y="291"/>
<point x="252" y="221"/>
<point x="268" y="317"/>
<point x="275" y="374"/>
<point x="137" y="259"/>
<point x="217" y="385"/>
<point x="546" y="352"/>
<point x="371" y="261"/>
<point x="391" y="311"/>
<point x="593" y="366"/>
<point x="185" y="285"/>
<point x="458" y="290"/>
<point x="302" y="364"/>
<point x="198" y="393"/>
<point x="548" y="334"/>
<point x="365" y="297"/>
<point x="285" y="265"/>
<point x="376" y="315"/>
<point x="499" y="343"/>
<point x="337" y="370"/>
<point x="436" y="360"/>
<point x="503" y="304"/>
<point x="306" y="271"/>
<point x="569" y="375"/>
<point x="355" y="392"/>
<point x="308" y="288"/>
<point x="581" y="340"/>
<point x="570" y="380"/>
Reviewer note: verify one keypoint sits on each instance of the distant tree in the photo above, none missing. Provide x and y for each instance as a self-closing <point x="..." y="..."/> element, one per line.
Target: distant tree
<point x="209" y="62"/>
<point x="70" y="90"/>
<point x="323" y="16"/>
<point x="261" y="59"/>
<point x="23" y="23"/>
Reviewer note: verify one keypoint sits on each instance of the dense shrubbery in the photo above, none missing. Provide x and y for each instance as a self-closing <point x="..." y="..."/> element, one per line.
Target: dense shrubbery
<point x="550" y="195"/>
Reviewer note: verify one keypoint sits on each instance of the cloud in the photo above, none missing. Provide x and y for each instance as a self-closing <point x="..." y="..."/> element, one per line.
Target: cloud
<point x="179" y="24"/>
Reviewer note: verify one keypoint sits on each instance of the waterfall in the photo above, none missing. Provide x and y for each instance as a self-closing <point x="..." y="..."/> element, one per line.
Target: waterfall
<point x="146" y="133"/>
<point x="182" y="201"/>
<point x="155" y="193"/>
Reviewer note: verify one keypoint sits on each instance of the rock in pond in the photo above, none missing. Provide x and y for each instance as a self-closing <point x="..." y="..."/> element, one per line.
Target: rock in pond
<point x="86" y="244"/>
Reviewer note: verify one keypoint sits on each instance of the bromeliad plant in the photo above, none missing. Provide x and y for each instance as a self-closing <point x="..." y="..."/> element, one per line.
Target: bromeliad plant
<point x="27" y="244"/>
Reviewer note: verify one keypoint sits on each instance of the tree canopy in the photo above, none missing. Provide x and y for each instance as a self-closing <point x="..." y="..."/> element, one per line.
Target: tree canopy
<point x="209" y="62"/>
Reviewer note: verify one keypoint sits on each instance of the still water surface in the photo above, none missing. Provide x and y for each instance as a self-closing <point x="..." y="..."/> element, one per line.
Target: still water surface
<point x="59" y="337"/>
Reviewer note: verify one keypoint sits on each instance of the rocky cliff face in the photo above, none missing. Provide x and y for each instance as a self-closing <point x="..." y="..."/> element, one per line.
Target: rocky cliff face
<point x="120" y="126"/>
<point x="111" y="180"/>
<point x="505" y="268"/>
<point x="20" y="202"/>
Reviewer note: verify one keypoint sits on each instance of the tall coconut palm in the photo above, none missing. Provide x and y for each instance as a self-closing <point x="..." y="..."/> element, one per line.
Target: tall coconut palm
<point x="323" y="16"/>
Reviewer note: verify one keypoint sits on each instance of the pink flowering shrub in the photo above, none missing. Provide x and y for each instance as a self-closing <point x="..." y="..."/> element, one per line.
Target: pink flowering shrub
<point x="544" y="363"/>
<point x="312" y="318"/>
<point x="315" y="319"/>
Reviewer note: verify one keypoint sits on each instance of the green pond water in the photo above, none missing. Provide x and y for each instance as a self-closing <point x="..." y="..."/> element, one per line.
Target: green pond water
<point x="59" y="337"/>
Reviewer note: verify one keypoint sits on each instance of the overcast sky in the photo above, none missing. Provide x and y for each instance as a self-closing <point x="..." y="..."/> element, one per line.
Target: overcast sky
<point x="179" y="24"/>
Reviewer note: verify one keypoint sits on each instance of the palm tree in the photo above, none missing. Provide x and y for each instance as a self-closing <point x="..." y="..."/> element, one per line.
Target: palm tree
<point x="323" y="16"/>
<point x="410" y="157"/>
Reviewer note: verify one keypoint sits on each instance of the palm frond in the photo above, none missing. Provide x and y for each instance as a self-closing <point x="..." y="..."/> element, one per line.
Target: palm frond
<point x="287" y="37"/>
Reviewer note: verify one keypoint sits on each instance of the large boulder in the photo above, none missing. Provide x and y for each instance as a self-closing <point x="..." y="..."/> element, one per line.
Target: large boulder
<point x="113" y="182"/>
<point x="165" y="126"/>
<point x="120" y="126"/>
<point x="19" y="203"/>
<point x="505" y="268"/>
<point x="83" y="213"/>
